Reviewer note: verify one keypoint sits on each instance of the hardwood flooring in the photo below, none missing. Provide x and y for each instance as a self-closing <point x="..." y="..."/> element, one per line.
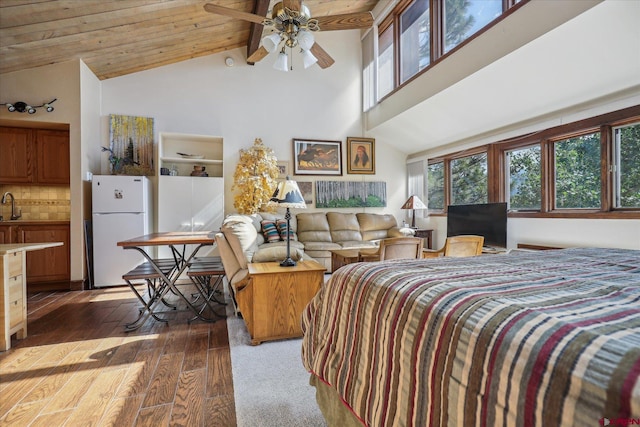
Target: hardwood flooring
<point x="78" y="366"/>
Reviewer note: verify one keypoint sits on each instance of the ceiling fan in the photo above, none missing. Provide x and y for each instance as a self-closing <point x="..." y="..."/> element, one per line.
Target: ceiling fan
<point x="293" y="26"/>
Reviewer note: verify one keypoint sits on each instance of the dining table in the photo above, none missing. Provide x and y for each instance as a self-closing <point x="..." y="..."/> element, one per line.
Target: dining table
<point x="166" y="272"/>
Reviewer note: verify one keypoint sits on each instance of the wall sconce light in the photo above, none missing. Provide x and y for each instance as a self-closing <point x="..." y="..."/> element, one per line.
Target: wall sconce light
<point x="22" y="107"/>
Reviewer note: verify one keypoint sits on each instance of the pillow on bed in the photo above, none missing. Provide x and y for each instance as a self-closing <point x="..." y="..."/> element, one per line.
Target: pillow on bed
<point x="281" y="224"/>
<point x="270" y="231"/>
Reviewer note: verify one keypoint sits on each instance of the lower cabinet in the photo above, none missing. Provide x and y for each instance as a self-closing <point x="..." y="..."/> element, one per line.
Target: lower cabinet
<point x="48" y="266"/>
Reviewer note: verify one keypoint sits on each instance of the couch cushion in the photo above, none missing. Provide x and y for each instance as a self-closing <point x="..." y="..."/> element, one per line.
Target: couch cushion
<point x="375" y="226"/>
<point x="241" y="233"/>
<point x="277" y="253"/>
<point x="270" y="231"/>
<point x="313" y="227"/>
<point x="344" y="227"/>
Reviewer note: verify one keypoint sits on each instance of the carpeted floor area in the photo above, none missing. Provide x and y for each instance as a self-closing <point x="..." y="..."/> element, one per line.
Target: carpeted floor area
<point x="271" y="387"/>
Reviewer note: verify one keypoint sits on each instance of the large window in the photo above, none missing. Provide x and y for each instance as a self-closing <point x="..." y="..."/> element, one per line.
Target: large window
<point x="585" y="169"/>
<point x="626" y="168"/>
<point x="469" y="180"/>
<point x="463" y="18"/>
<point x="577" y="172"/>
<point x="523" y="178"/>
<point x="415" y="49"/>
<point x="435" y="182"/>
<point x="386" y="74"/>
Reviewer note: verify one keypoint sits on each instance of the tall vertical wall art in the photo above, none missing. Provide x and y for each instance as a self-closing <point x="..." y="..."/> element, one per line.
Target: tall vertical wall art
<point x="131" y="141"/>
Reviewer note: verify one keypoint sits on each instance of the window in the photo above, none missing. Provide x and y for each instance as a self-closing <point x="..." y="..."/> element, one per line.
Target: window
<point x="463" y="18"/>
<point x="415" y="49"/>
<point x="386" y="74"/>
<point x="469" y="183"/>
<point x="577" y="172"/>
<point x="627" y="166"/>
<point x="523" y="178"/>
<point x="435" y="182"/>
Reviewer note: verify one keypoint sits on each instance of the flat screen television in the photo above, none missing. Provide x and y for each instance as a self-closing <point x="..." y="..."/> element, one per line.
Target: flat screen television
<point x="488" y="220"/>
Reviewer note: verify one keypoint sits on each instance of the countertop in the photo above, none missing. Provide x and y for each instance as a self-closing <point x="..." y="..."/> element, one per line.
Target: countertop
<point x="17" y="247"/>
<point x="35" y="222"/>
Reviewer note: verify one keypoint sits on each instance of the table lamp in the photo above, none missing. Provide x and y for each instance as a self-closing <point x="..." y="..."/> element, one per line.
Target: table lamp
<point x="413" y="203"/>
<point x="287" y="195"/>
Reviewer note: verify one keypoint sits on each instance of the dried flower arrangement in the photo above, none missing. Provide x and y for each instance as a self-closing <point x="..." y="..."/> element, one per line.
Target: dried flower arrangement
<point x="255" y="178"/>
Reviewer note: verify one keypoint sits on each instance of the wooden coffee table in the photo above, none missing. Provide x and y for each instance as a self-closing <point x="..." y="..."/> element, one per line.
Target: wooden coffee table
<point x="341" y="257"/>
<point x="273" y="301"/>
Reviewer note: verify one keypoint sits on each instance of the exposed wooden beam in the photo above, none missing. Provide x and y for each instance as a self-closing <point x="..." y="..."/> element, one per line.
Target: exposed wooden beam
<point x="261" y="8"/>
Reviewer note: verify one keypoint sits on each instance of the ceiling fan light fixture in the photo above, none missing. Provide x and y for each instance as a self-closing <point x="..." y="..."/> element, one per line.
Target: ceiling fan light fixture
<point x="305" y="39"/>
<point x="271" y="42"/>
<point x="281" y="62"/>
<point x="308" y="59"/>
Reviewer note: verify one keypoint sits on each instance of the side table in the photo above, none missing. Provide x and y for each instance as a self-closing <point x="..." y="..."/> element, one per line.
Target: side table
<point x="273" y="300"/>
<point x="426" y="234"/>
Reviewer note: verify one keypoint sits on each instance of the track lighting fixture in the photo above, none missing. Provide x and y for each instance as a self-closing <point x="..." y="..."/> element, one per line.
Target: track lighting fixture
<point x="23" y="107"/>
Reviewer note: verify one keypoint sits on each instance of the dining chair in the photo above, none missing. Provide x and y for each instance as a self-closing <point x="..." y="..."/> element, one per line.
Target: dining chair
<point x="396" y="248"/>
<point x="457" y="246"/>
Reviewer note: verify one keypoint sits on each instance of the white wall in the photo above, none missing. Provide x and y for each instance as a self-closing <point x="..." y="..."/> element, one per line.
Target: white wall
<point x="243" y="102"/>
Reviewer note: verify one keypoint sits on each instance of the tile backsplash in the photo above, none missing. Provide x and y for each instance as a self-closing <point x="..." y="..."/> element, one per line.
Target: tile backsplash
<point x="38" y="202"/>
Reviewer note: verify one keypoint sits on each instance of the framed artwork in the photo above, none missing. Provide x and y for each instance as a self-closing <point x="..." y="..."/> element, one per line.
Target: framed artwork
<point x="306" y="188"/>
<point x="131" y="143"/>
<point x="316" y="157"/>
<point x="350" y="194"/>
<point x="361" y="155"/>
<point x="283" y="169"/>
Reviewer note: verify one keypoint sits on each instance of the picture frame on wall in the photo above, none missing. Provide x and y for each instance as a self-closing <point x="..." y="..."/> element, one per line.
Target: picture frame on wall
<point x="317" y="157"/>
<point x="361" y="155"/>
<point x="283" y="169"/>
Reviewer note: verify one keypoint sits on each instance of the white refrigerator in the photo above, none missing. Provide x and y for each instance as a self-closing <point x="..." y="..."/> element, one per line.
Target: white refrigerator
<point x="121" y="211"/>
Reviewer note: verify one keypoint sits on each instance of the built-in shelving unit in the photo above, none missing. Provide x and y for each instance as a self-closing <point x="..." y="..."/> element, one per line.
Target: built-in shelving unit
<point x="209" y="147"/>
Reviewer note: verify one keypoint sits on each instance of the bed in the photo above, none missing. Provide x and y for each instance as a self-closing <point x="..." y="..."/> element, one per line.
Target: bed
<point x="548" y="338"/>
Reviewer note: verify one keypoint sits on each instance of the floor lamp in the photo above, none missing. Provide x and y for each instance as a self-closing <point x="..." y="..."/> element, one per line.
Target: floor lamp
<point x="287" y="195"/>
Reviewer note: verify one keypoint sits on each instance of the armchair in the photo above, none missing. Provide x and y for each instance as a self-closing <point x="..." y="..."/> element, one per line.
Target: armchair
<point x="457" y="246"/>
<point x="396" y="248"/>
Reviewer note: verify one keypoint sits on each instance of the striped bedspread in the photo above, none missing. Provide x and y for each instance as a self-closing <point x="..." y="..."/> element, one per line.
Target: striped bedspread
<point x="548" y="338"/>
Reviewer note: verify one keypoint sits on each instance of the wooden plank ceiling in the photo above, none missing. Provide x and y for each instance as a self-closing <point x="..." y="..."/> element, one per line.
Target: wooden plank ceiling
<point x="118" y="37"/>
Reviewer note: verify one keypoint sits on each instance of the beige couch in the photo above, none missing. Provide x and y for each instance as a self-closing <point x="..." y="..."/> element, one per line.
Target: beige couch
<point x="241" y="240"/>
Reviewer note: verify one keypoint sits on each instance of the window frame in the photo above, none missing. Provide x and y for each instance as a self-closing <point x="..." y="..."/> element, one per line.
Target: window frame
<point x="496" y="164"/>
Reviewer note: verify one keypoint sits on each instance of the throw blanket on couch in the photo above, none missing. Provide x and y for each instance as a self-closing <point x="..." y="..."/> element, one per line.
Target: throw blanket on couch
<point x="545" y="338"/>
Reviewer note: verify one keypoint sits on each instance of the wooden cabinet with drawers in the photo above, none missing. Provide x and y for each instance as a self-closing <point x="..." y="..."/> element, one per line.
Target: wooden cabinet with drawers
<point x="13" y="301"/>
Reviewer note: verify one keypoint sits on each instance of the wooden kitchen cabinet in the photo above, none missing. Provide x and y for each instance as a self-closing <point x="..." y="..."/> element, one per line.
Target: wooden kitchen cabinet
<point x="34" y="156"/>
<point x="46" y="269"/>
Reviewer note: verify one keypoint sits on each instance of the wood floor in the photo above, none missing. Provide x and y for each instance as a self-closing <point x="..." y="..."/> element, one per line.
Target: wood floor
<point x="78" y="366"/>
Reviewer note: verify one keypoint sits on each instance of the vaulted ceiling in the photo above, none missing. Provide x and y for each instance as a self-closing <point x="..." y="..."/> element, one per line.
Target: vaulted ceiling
<point x="119" y="37"/>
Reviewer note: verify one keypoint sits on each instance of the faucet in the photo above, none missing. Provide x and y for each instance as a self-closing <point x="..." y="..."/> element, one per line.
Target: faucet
<point x="13" y="205"/>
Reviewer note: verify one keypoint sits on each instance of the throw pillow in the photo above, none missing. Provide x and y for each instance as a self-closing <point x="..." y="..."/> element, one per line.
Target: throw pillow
<point x="282" y="229"/>
<point x="270" y="231"/>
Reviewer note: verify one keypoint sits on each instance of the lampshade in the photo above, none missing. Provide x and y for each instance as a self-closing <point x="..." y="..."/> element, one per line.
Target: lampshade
<point x="305" y="39"/>
<point x="271" y="42"/>
<point x="281" y="62"/>
<point x="288" y="195"/>
<point x="414" y="203"/>
<point x="308" y="59"/>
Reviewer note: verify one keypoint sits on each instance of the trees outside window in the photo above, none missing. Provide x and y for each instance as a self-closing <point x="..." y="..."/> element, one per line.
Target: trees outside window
<point x="463" y="18"/>
<point x="415" y="50"/>
<point x="469" y="183"/>
<point x="435" y="183"/>
<point x="523" y="178"/>
<point x="577" y="172"/>
<point x="627" y="166"/>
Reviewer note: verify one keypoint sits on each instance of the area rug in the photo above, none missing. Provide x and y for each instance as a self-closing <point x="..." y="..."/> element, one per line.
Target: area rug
<point x="271" y="387"/>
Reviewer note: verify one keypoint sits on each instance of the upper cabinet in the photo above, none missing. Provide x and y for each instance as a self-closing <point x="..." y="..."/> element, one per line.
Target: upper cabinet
<point x="181" y="152"/>
<point x="34" y="156"/>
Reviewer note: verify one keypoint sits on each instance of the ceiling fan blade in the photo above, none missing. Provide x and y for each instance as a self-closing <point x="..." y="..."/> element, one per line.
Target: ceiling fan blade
<point x="233" y="13"/>
<point x="324" y="59"/>
<point x="257" y="55"/>
<point x="347" y="21"/>
<point x="292" y="4"/>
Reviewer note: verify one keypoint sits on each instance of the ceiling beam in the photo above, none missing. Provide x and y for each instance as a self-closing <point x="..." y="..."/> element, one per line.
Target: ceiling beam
<point x="261" y="7"/>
